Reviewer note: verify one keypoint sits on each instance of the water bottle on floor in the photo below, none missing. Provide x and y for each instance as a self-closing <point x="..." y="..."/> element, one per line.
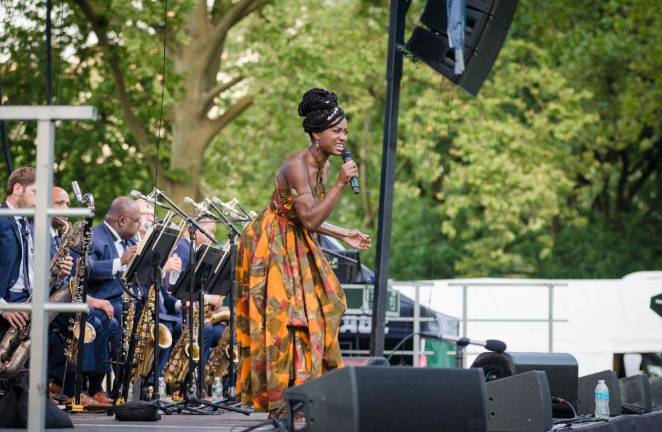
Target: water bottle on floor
<point x="217" y="389"/>
<point x="601" y="400"/>
<point x="162" y="388"/>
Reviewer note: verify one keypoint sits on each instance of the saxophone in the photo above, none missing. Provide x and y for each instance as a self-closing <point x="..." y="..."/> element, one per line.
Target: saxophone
<point x="144" y="354"/>
<point x="15" y="344"/>
<point x="219" y="359"/>
<point x="71" y="350"/>
<point x="176" y="368"/>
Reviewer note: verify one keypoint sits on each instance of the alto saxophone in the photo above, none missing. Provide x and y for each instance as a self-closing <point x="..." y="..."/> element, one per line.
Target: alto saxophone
<point x="15" y="344"/>
<point x="176" y="368"/>
<point x="144" y="354"/>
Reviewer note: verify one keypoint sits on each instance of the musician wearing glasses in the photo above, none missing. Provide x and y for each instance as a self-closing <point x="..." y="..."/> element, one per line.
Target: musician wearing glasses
<point x="112" y="248"/>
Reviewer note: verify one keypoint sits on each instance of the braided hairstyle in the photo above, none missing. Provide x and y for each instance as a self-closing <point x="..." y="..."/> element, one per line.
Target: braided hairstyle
<point x="319" y="109"/>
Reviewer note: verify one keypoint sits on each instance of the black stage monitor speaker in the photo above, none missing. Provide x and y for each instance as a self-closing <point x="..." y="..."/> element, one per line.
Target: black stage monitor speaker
<point x="520" y="403"/>
<point x="561" y="369"/>
<point x="656" y="392"/>
<point x="587" y="383"/>
<point x="636" y="390"/>
<point x="359" y="399"/>
<point x="486" y="28"/>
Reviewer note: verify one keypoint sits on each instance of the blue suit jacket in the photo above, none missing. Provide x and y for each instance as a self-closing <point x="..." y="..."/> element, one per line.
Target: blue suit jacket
<point x="101" y="283"/>
<point x="10" y="253"/>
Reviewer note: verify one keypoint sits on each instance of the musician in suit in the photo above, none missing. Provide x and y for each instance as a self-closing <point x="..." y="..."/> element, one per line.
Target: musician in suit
<point x="17" y="246"/>
<point x="111" y="250"/>
<point x="59" y="332"/>
<point x="212" y="333"/>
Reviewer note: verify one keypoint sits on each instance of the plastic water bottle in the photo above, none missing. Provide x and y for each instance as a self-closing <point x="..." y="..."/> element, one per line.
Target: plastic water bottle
<point x="601" y="400"/>
<point x="174" y="275"/>
<point x="162" y="387"/>
<point x="130" y="395"/>
<point x="217" y="389"/>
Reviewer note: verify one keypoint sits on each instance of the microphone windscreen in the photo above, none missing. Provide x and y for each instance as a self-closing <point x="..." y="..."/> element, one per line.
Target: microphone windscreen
<point x="346" y="155"/>
<point x="190" y="201"/>
<point x="495" y="345"/>
<point x="134" y="193"/>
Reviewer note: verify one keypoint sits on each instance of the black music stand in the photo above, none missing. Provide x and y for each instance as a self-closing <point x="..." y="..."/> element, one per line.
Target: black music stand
<point x="207" y="278"/>
<point x="145" y="270"/>
<point x="231" y="244"/>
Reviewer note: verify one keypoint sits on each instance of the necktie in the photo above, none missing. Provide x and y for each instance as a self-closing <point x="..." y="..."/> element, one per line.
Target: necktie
<point x="25" y="235"/>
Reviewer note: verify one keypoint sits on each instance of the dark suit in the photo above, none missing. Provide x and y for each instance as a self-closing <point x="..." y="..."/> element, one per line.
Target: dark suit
<point x="102" y="283"/>
<point x="10" y="254"/>
<point x="212" y="333"/>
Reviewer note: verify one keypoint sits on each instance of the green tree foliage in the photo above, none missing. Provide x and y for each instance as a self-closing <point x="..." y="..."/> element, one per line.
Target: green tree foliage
<point x="553" y="170"/>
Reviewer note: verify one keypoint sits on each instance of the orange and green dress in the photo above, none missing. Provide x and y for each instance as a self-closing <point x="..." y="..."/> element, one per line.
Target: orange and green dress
<point x="289" y="305"/>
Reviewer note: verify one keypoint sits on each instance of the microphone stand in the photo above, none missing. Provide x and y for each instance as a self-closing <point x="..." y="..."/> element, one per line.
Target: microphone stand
<point x="232" y="374"/>
<point x="190" y="400"/>
<point x="89" y="201"/>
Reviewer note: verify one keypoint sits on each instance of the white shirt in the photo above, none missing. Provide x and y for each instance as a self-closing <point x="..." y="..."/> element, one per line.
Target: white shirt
<point x="19" y="285"/>
<point x="117" y="264"/>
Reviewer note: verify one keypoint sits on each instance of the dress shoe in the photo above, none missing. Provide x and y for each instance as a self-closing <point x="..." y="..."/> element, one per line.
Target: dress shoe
<point x="102" y="397"/>
<point x="54" y="389"/>
<point x="87" y="400"/>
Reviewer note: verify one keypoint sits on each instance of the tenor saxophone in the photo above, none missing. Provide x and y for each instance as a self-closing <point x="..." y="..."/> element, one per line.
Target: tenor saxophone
<point x="144" y="354"/>
<point x="176" y="368"/>
<point x="15" y="344"/>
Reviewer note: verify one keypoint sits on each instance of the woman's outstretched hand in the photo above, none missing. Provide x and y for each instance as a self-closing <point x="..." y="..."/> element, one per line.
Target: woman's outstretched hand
<point x="357" y="239"/>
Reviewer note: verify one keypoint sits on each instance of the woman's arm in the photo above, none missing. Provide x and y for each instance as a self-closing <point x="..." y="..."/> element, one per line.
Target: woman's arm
<point x="310" y="214"/>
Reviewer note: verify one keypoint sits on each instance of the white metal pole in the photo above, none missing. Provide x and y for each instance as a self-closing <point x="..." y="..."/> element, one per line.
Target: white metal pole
<point x="40" y="286"/>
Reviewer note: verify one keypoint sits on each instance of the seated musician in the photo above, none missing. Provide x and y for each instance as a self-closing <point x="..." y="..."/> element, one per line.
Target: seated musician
<point x="212" y="332"/>
<point x="17" y="246"/>
<point x="111" y="250"/>
<point x="62" y="371"/>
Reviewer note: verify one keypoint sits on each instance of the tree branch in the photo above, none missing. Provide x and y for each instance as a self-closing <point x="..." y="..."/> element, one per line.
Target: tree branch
<point x="214" y="126"/>
<point x="98" y="24"/>
<point x="208" y="97"/>
<point x="236" y="13"/>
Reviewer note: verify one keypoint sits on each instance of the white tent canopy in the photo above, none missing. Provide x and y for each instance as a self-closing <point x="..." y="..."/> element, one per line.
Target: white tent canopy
<point x="595" y="318"/>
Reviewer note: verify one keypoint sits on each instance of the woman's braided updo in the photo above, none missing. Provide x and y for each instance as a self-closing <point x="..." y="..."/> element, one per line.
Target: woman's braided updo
<point x="319" y="109"/>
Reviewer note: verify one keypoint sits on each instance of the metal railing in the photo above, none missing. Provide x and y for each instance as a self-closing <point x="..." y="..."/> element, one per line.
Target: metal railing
<point x="550" y="305"/>
<point x="46" y="117"/>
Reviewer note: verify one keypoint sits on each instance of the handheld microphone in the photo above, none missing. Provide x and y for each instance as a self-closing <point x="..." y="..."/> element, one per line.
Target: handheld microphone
<point x="493" y="345"/>
<point x="353" y="182"/>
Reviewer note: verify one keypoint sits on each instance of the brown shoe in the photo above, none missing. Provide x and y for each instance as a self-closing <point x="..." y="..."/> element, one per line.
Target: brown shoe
<point x="102" y="397"/>
<point x="54" y="389"/>
<point x="87" y="400"/>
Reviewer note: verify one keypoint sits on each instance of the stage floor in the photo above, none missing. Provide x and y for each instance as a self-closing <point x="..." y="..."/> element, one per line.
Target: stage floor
<point x="89" y="422"/>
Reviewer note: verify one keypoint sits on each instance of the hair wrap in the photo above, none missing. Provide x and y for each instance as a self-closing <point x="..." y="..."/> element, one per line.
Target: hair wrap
<point x="319" y="109"/>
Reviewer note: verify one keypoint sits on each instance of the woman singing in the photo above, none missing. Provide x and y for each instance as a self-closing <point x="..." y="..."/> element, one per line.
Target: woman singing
<point x="290" y="303"/>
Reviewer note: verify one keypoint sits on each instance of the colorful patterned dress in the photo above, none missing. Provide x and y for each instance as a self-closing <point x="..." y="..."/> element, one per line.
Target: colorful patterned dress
<point x="289" y="306"/>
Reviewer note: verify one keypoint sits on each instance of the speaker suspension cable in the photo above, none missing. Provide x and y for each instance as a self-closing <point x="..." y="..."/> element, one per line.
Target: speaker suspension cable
<point x="163" y="81"/>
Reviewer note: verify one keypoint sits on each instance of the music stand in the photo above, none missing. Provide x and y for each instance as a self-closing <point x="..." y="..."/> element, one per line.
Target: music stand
<point x="219" y="283"/>
<point x="145" y="270"/>
<point x="205" y="259"/>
